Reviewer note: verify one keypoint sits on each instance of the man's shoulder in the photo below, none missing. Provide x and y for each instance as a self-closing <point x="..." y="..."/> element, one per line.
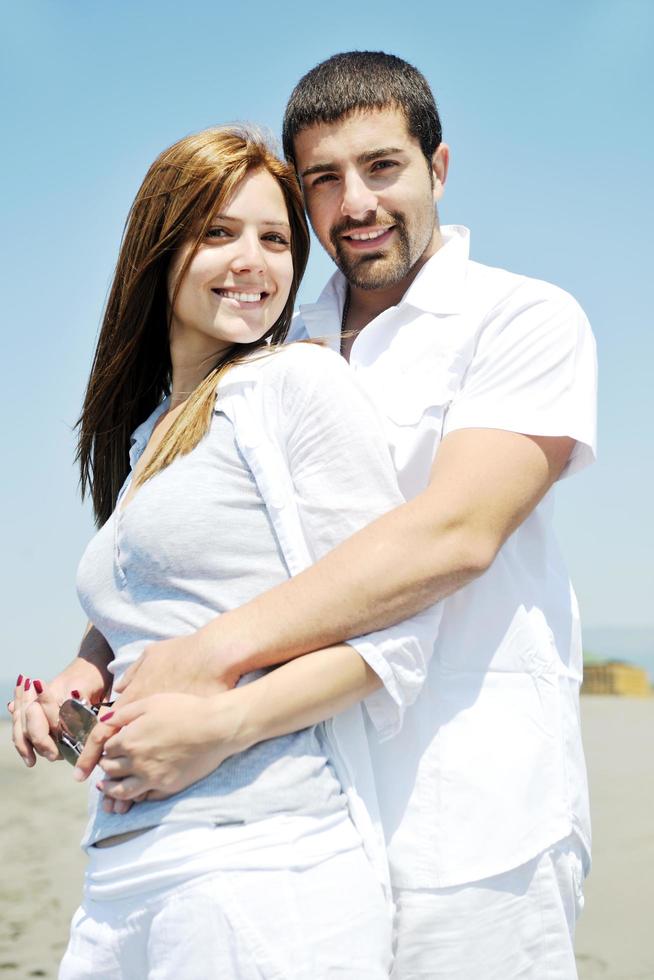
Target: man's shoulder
<point x="501" y="291"/>
<point x="297" y="330"/>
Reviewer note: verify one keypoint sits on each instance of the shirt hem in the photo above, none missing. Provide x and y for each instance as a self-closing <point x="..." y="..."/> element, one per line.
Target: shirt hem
<point x="469" y="873"/>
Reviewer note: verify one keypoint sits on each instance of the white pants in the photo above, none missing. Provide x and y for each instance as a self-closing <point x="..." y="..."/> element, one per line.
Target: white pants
<point x="519" y="924"/>
<point x="329" y="920"/>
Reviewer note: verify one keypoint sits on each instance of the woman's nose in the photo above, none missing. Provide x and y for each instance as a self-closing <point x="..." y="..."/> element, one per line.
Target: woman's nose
<point x="249" y="255"/>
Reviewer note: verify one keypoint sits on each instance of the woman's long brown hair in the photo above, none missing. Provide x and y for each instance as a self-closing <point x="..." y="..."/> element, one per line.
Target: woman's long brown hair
<point x="131" y="373"/>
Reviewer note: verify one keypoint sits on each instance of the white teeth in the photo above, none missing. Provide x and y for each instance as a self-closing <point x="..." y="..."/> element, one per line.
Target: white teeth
<point x="365" y="236"/>
<point x="242" y="297"/>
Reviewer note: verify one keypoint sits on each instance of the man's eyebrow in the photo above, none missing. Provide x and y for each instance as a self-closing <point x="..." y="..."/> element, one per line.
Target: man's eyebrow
<point x="272" y="224"/>
<point x="367" y="157"/>
<point x="319" y="168"/>
<point x="384" y="151"/>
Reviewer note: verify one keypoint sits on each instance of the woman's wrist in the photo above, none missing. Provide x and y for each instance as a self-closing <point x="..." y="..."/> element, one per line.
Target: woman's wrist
<point x="81" y="678"/>
<point x="233" y="720"/>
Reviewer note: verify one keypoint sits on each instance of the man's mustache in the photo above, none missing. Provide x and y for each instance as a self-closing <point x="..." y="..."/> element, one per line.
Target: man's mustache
<point x="349" y="224"/>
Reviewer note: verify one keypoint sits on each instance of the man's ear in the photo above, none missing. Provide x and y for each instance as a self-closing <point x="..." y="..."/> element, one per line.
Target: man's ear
<point x="440" y="162"/>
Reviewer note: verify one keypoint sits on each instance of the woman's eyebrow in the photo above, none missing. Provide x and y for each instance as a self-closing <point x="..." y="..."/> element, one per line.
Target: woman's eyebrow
<point x="276" y="224"/>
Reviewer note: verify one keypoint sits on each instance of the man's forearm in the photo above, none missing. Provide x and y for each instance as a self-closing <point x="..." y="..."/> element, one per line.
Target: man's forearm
<point x="383" y="574"/>
<point x="484" y="484"/>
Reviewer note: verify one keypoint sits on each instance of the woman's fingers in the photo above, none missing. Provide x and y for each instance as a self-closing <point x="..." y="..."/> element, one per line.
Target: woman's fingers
<point x="116" y="806"/>
<point x="122" y="789"/>
<point x="22" y="697"/>
<point x="92" y="751"/>
<point x="105" y="737"/>
<point x="41" y="721"/>
<point x="116" y="768"/>
<point x="37" y="732"/>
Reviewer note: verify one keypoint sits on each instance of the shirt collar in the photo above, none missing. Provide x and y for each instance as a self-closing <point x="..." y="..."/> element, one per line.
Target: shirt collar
<point x="323" y="318"/>
<point x="141" y="434"/>
<point x="438" y="288"/>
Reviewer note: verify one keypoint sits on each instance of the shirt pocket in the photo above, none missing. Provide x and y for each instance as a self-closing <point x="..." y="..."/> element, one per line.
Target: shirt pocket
<point x="424" y="388"/>
<point x="414" y="400"/>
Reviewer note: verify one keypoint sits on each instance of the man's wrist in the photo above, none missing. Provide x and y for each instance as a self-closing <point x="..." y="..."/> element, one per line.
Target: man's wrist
<point x="226" y="648"/>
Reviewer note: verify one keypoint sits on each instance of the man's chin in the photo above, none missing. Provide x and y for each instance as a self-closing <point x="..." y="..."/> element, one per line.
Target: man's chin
<point x="373" y="272"/>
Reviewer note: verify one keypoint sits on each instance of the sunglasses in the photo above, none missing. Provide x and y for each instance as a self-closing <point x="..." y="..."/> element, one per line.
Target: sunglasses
<point x="77" y="719"/>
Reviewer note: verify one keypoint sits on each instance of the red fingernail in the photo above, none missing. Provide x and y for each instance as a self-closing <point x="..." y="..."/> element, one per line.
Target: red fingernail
<point x="106" y="717"/>
<point x="75" y="694"/>
<point x="38" y="687"/>
<point x="20" y="680"/>
<point x="27" y="684"/>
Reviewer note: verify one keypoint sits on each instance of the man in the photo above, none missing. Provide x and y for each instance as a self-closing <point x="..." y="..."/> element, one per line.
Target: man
<point x="486" y="383"/>
<point x="486" y="781"/>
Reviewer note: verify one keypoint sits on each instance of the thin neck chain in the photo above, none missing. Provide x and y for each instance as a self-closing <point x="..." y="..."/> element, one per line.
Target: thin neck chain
<point x="346" y="311"/>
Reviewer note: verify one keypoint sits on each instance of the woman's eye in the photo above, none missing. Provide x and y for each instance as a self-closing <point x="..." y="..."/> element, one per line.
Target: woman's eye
<point x="277" y="239"/>
<point x="217" y="233"/>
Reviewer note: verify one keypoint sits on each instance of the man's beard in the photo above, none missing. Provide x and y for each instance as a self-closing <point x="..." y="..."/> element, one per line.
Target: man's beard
<point x="374" y="270"/>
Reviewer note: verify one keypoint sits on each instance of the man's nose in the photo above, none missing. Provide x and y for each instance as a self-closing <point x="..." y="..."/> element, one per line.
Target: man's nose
<point x="358" y="199"/>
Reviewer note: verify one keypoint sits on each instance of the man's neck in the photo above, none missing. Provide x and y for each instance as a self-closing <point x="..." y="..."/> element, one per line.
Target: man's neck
<point x="364" y="305"/>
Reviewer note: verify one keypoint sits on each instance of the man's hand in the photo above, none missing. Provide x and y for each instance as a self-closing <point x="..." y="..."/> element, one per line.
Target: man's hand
<point x="157" y="746"/>
<point x="185" y="664"/>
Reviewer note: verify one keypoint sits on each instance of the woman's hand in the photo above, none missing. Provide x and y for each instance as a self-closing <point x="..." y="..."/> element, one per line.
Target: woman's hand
<point x="35" y="706"/>
<point x="157" y="746"/>
<point x="35" y="713"/>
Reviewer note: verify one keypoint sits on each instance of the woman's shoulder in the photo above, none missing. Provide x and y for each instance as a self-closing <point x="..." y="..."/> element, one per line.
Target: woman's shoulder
<point x="300" y="364"/>
<point x="308" y="355"/>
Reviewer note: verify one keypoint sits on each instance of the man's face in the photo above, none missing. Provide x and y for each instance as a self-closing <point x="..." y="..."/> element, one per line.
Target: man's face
<point x="370" y="195"/>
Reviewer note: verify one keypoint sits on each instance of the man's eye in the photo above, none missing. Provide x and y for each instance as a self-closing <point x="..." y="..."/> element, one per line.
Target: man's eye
<point x="383" y="164"/>
<point x="323" y="179"/>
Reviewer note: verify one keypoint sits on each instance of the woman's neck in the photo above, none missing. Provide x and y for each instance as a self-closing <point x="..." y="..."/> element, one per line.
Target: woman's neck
<point x="189" y="368"/>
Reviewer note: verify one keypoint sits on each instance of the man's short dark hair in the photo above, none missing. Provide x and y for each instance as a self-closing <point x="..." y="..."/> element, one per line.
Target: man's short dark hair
<point x="360" y="81"/>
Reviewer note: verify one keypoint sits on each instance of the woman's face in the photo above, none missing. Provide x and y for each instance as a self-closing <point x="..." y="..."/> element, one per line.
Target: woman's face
<point x="239" y="279"/>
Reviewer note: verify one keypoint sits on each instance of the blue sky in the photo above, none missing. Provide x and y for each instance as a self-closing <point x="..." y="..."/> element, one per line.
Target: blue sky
<point x="547" y="109"/>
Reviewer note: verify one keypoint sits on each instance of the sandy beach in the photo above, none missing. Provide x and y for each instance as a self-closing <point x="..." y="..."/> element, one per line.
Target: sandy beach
<point x="42" y="866"/>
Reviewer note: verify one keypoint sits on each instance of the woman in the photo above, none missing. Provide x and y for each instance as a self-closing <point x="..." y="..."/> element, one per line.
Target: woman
<point x="218" y="465"/>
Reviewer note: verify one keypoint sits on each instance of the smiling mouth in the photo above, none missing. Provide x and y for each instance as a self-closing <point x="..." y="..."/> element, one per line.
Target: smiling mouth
<point x="375" y="236"/>
<point x="241" y="296"/>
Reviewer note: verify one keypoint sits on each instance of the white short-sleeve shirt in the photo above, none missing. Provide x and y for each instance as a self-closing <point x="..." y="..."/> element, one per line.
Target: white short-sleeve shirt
<point x="488" y="769"/>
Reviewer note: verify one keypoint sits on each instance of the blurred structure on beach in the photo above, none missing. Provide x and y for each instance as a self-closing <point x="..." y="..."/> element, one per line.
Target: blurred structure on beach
<point x="616" y="677"/>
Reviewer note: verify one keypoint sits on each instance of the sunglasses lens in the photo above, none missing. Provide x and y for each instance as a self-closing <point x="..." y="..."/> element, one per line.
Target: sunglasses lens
<point x="76" y="721"/>
<point x="67" y="750"/>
